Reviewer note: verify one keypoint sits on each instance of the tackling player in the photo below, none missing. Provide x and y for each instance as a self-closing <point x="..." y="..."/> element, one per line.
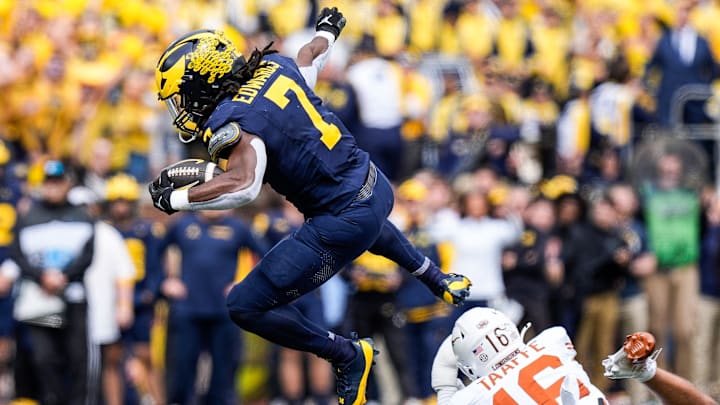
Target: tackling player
<point x="487" y="348"/>
<point x="261" y="117"/>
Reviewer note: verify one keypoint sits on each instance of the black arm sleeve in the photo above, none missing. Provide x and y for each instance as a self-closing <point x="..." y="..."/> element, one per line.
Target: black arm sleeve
<point x="75" y="270"/>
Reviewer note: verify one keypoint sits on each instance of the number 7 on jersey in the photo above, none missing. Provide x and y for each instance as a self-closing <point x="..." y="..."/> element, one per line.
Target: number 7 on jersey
<point x="329" y="133"/>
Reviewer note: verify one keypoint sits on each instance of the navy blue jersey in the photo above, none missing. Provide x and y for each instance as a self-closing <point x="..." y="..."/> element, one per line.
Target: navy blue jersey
<point x="143" y="239"/>
<point x="209" y="260"/>
<point x="313" y="159"/>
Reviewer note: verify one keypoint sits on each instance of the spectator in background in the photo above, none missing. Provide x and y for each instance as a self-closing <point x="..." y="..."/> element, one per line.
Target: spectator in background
<point x="99" y="166"/>
<point x="209" y="243"/>
<point x="390" y="28"/>
<point x="481" y="255"/>
<point x="574" y="133"/>
<point x="513" y="44"/>
<point x="373" y="310"/>
<point x="425" y="20"/>
<point x="682" y="57"/>
<point x="142" y="239"/>
<point x="615" y="110"/>
<point x="109" y="281"/>
<point x="129" y="121"/>
<point x="604" y="168"/>
<point x="551" y="37"/>
<point x="475" y="28"/>
<point x="449" y="41"/>
<point x="376" y="83"/>
<point x="53" y="248"/>
<point x="672" y="215"/>
<point x="427" y="317"/>
<point x="526" y="264"/>
<point x="442" y="118"/>
<point x="49" y="108"/>
<point x="417" y="95"/>
<point x="634" y="304"/>
<point x="601" y="258"/>
<point x="707" y="350"/>
<point x="565" y="301"/>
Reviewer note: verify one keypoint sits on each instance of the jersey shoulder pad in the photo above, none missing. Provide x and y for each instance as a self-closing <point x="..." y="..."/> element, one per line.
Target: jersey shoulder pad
<point x="218" y="142"/>
<point x="556" y="339"/>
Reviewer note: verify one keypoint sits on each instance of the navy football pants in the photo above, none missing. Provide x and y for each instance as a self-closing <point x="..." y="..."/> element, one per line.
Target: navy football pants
<point x="305" y="260"/>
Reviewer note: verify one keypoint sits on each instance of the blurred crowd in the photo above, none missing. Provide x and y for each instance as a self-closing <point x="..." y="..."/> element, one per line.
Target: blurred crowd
<point x="559" y="153"/>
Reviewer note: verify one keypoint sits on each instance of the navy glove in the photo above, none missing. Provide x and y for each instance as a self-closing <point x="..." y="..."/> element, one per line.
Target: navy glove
<point x="330" y="20"/>
<point x="160" y="191"/>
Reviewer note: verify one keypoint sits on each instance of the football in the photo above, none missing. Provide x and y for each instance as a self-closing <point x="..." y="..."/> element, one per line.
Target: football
<point x="191" y="172"/>
<point x="639" y="345"/>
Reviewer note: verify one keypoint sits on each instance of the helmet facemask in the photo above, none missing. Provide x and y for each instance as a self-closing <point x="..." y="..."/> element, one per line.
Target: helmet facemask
<point x="189" y="115"/>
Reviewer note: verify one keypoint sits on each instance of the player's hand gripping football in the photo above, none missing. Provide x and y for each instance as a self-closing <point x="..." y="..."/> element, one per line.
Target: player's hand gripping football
<point x="160" y="190"/>
<point x="455" y="288"/>
<point x="330" y="20"/>
<point x="635" y="359"/>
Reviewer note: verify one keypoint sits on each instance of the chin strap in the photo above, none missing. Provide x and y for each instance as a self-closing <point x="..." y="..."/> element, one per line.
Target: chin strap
<point x="524" y="330"/>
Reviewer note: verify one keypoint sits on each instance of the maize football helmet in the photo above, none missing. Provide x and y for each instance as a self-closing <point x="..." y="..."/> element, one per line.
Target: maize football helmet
<point x="483" y="339"/>
<point x="190" y="75"/>
<point x="122" y="187"/>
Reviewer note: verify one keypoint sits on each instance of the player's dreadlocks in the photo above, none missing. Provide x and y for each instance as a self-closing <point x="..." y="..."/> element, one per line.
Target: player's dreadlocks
<point x="232" y="84"/>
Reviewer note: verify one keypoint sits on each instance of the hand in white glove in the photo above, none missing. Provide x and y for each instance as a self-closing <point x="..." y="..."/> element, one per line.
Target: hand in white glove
<point x="636" y="359"/>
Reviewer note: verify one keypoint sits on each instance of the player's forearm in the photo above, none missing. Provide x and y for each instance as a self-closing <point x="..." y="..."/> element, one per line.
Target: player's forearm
<point x="674" y="390"/>
<point x="218" y="194"/>
<point x="316" y="47"/>
<point x="237" y="187"/>
<point x="226" y="183"/>
<point x="314" y="55"/>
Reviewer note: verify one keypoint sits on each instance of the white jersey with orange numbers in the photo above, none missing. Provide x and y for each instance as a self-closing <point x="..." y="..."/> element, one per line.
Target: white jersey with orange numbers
<point x="542" y="372"/>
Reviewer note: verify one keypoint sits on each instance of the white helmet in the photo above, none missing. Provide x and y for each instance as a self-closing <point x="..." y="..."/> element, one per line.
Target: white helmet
<point x="484" y="339"/>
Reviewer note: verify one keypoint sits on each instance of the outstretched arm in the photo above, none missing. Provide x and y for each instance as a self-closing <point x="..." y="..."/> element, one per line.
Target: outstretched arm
<point x="636" y="359"/>
<point x="675" y="390"/>
<point x="313" y="56"/>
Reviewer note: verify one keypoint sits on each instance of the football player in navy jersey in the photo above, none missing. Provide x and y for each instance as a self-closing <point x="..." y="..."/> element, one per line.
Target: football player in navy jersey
<point x="210" y="242"/>
<point x="261" y="118"/>
<point x="143" y="239"/>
